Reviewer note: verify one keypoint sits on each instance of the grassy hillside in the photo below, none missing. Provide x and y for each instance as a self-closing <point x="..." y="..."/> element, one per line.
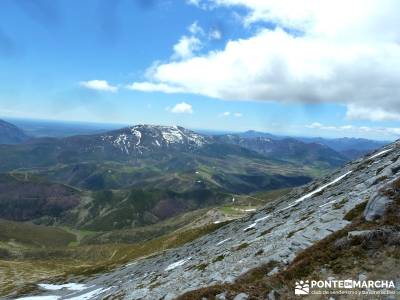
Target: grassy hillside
<point x="24" y="235"/>
<point x="114" y="196"/>
<point x="31" y="253"/>
<point x="22" y="200"/>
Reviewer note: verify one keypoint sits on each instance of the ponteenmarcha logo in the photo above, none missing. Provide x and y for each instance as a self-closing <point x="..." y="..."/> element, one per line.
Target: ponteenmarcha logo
<point x="302" y="287"/>
<point x="348" y="286"/>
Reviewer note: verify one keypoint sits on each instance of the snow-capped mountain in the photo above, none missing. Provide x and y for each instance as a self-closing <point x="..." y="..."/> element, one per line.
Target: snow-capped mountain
<point x="140" y="138"/>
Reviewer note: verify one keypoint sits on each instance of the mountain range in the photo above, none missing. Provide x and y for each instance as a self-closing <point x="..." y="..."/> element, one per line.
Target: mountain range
<point x="144" y="174"/>
<point x="351" y="148"/>
<point x="343" y="226"/>
<point x="132" y="177"/>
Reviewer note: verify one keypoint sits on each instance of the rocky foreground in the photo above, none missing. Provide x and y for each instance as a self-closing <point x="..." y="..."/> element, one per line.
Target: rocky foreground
<point x="277" y="233"/>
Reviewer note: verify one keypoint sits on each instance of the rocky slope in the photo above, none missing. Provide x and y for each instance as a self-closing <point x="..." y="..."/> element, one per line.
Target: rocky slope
<point x="277" y="233"/>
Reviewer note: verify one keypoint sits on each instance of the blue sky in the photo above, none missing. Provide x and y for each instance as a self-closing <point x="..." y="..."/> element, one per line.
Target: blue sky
<point x="75" y="60"/>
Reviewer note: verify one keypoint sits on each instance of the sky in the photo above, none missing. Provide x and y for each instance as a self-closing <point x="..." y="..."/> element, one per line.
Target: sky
<point x="300" y="67"/>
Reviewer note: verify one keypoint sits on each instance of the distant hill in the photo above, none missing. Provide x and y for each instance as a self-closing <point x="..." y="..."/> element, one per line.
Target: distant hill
<point x="11" y="134"/>
<point x="288" y="149"/>
<point x="258" y="134"/>
<point x="350" y="147"/>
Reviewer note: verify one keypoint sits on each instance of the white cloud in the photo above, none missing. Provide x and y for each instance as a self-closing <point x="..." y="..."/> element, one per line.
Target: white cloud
<point x="345" y="52"/>
<point x="195" y="29"/>
<point x="99" y="85"/>
<point x="154" y="87"/>
<point x="320" y="126"/>
<point x="228" y="114"/>
<point x="315" y="125"/>
<point x="200" y="4"/>
<point x="182" y="108"/>
<point x="215" y="35"/>
<point x="186" y="47"/>
<point x="193" y="2"/>
<point x="225" y="114"/>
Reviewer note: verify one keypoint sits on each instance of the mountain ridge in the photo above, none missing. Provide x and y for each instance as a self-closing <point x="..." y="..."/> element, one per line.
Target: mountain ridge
<point x="350" y="147"/>
<point x="289" y="149"/>
<point x="11" y="134"/>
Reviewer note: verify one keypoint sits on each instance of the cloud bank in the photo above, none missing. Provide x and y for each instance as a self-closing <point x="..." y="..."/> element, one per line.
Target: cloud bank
<point x="386" y="132"/>
<point x="228" y="114"/>
<point x="344" y="52"/>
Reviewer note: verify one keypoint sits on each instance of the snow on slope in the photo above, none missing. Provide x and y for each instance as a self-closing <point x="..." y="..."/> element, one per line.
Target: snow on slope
<point x="320" y="189"/>
<point x="68" y="286"/>
<point x="177" y="264"/>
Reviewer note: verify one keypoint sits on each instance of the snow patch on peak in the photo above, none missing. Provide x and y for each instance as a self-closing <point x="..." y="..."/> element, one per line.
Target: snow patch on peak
<point x="173" y="135"/>
<point x="138" y="135"/>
